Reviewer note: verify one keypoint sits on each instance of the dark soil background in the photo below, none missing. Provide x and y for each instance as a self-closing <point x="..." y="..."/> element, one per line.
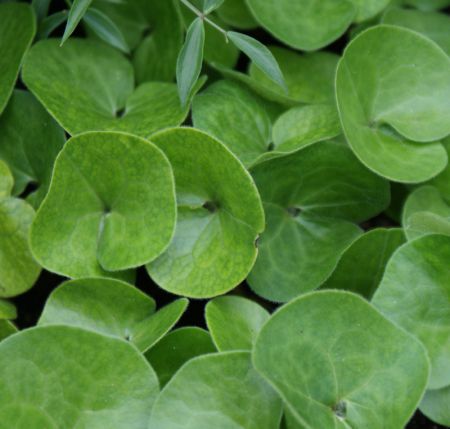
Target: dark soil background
<point x="30" y="304"/>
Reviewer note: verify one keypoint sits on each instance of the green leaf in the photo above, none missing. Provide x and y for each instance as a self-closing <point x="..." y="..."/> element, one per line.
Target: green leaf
<point x="17" y="30"/>
<point x="76" y="13"/>
<point x="426" y="212"/>
<point x="236" y="116"/>
<point x="435" y="405"/>
<point x="29" y="143"/>
<point x="51" y="23"/>
<point x="107" y="190"/>
<point x="312" y="198"/>
<point x="105" y="29"/>
<point x="428" y="5"/>
<point x="210" y="5"/>
<point x="232" y="396"/>
<point x="189" y="64"/>
<point x="111" y="307"/>
<point x="432" y="25"/>
<point x="177" y="348"/>
<point x="362" y="264"/>
<point x="260" y="56"/>
<point x="414" y="294"/>
<point x="18" y="269"/>
<point x="442" y="180"/>
<point x="234" y="322"/>
<point x="237" y="14"/>
<point x="62" y="377"/>
<point x="303" y="125"/>
<point x="41" y="8"/>
<point x="7" y="328"/>
<point x="98" y="81"/>
<point x="367" y="9"/>
<point x="8" y="310"/>
<point x="316" y="23"/>
<point x="388" y="136"/>
<point x="219" y="217"/>
<point x="355" y="365"/>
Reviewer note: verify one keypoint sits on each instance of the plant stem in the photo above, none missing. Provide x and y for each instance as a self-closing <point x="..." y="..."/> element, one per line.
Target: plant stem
<point x="203" y="17"/>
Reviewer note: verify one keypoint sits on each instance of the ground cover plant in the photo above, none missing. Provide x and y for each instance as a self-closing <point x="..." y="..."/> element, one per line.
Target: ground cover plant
<point x="224" y="214"/>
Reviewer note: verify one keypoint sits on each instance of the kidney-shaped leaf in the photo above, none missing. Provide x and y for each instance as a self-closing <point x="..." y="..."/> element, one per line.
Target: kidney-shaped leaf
<point x="362" y="265"/>
<point x="176" y="348"/>
<point x="234" y="322"/>
<point x="111" y="307"/>
<point x="98" y="81"/>
<point x="415" y="294"/>
<point x="220" y="391"/>
<point x="111" y="206"/>
<point x="29" y="143"/>
<point x="384" y="71"/>
<point x="17" y="29"/>
<point x="338" y="363"/>
<point x="311" y="198"/>
<point x="219" y="217"/>
<point x="65" y="377"/>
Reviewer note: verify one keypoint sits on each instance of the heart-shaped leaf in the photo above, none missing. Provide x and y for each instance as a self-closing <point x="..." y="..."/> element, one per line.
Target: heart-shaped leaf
<point x="426" y="212"/>
<point x="312" y="198"/>
<point x="98" y="81"/>
<point x="18" y="269"/>
<point x="62" y="377"/>
<point x="338" y="363"/>
<point x="234" y="322"/>
<point x="388" y="136"/>
<point x="17" y="29"/>
<point x="414" y="293"/>
<point x="232" y="394"/>
<point x="107" y="190"/>
<point x="29" y="143"/>
<point x="176" y="348"/>
<point x="435" y="405"/>
<point x="362" y="264"/>
<point x="219" y="217"/>
<point x="433" y="25"/>
<point x="93" y="303"/>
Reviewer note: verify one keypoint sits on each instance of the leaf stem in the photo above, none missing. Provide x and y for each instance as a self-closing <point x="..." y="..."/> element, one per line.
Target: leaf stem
<point x="204" y="17"/>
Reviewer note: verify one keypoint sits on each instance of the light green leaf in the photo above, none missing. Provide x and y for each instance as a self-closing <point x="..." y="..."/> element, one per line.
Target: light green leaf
<point x="234" y="322"/>
<point x="8" y="310"/>
<point x="260" y="56"/>
<point x="233" y="396"/>
<point x="76" y="13"/>
<point x="430" y="24"/>
<point x="316" y="23"/>
<point x="108" y="190"/>
<point x="383" y="72"/>
<point x="338" y="363"/>
<point x="435" y="405"/>
<point x="210" y="5"/>
<point x="309" y="77"/>
<point x="18" y="269"/>
<point x="442" y="180"/>
<point x="367" y="9"/>
<point x="29" y="143"/>
<point x="98" y="81"/>
<point x="219" y="217"/>
<point x="236" y="116"/>
<point x="177" y="348"/>
<point x="362" y="264"/>
<point x="65" y="377"/>
<point x="426" y="212"/>
<point x="189" y="64"/>
<point x="312" y="197"/>
<point x="7" y="328"/>
<point x="303" y="125"/>
<point x="237" y="14"/>
<point x="415" y="294"/>
<point x="111" y="307"/>
<point x="105" y="29"/>
<point x="17" y="30"/>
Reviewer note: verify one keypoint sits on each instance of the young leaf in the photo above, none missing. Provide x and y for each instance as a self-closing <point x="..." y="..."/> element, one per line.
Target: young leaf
<point x="210" y="5"/>
<point x="105" y="29"/>
<point x="190" y="60"/>
<point x="76" y="13"/>
<point x="260" y="55"/>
